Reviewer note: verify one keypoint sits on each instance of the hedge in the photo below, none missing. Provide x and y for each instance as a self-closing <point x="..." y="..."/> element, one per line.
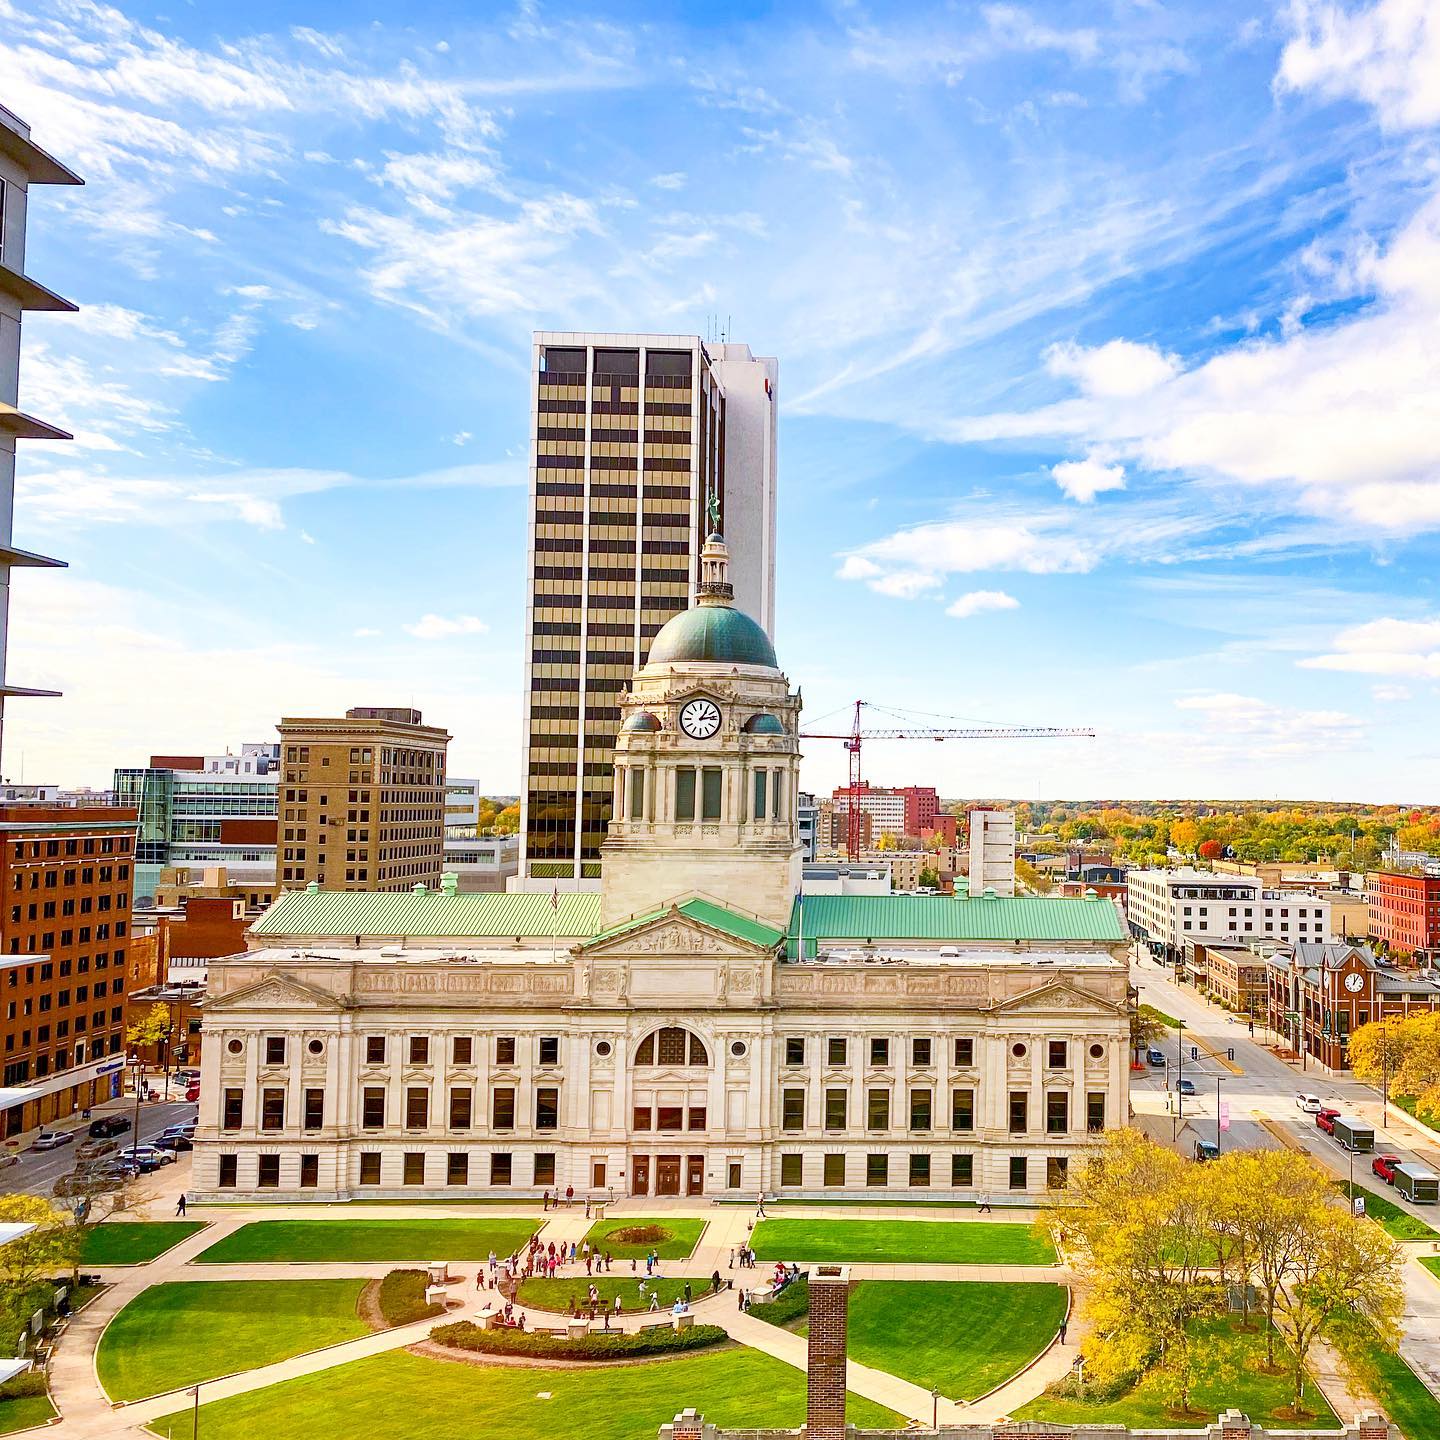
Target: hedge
<point x="28" y="1382"/>
<point x="792" y="1303"/>
<point x="464" y="1335"/>
<point x="402" y="1297"/>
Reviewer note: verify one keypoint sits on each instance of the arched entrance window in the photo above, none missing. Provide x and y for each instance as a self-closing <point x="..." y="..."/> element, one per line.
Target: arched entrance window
<point x="671" y="1046"/>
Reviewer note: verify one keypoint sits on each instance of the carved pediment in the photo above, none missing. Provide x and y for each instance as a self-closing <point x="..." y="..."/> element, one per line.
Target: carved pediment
<point x="275" y="992"/>
<point x="1055" y="997"/>
<point x="671" y="934"/>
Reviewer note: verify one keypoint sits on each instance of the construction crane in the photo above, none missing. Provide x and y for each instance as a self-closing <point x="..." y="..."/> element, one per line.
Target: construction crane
<point x="857" y="734"/>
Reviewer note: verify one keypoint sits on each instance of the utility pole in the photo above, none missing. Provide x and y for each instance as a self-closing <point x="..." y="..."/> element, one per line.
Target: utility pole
<point x="1217" y="1115"/>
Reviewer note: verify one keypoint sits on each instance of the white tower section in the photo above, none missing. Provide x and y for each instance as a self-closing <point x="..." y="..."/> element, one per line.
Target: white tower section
<point x="992" y="851"/>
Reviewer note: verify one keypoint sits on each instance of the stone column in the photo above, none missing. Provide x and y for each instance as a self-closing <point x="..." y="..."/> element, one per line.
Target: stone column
<point x="825" y="1353"/>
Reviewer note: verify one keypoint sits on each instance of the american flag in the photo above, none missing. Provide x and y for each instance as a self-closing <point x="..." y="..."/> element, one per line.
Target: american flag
<point x="555" y="897"/>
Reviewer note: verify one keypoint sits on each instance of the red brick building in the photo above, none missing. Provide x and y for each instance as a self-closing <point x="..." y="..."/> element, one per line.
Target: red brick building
<point x="922" y="810"/>
<point x="66" y="879"/>
<point x="1404" y="911"/>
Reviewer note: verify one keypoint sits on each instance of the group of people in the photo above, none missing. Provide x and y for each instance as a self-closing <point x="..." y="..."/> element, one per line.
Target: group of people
<point x="743" y="1256"/>
<point x="552" y="1202"/>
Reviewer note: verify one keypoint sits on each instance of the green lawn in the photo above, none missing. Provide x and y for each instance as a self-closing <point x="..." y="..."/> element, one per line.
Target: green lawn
<point x="962" y="1338"/>
<point x="872" y="1204"/>
<point x="175" y="1334"/>
<point x="23" y="1412"/>
<point x="684" y="1235"/>
<point x="1231" y="1378"/>
<point x="976" y="1242"/>
<point x="135" y="1242"/>
<point x="399" y="1396"/>
<point x="1385" y="1212"/>
<point x="1432" y="1264"/>
<point x="556" y="1294"/>
<point x="1151" y="1013"/>
<point x="418" y="1240"/>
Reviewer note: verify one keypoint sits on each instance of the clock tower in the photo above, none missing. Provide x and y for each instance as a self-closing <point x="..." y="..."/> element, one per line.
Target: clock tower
<point x="707" y="765"/>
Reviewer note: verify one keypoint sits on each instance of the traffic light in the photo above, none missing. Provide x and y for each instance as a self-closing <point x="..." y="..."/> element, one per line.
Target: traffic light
<point x="1194" y="1052"/>
<point x="1230" y="1053"/>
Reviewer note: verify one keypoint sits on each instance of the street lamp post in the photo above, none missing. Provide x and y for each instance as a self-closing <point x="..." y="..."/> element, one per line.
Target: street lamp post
<point x="1217" y="1115"/>
<point x="195" y="1414"/>
<point x="934" y="1409"/>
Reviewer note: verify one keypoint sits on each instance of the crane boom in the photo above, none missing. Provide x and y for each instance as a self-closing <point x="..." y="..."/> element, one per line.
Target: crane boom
<point x="856" y="734"/>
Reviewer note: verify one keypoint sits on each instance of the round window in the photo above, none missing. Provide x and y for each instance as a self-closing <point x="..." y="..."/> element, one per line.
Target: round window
<point x="316" y="1047"/>
<point x="602" y="1048"/>
<point x="234" y="1046"/>
<point x="1018" y="1050"/>
<point x="737" y="1048"/>
<point x="1096" y="1051"/>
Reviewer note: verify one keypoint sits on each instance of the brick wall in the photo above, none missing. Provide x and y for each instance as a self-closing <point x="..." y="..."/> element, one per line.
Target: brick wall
<point x="825" y="1355"/>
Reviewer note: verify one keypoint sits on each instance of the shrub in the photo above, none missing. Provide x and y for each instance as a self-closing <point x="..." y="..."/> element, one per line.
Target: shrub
<point x="642" y="1235"/>
<point x="31" y="1382"/>
<point x="463" y="1335"/>
<point x="402" y="1298"/>
<point x="1093" y="1392"/>
<point x="791" y="1303"/>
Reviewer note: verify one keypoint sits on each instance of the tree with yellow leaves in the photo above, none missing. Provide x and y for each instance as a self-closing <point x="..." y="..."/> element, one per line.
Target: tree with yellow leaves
<point x="1404" y="1054"/>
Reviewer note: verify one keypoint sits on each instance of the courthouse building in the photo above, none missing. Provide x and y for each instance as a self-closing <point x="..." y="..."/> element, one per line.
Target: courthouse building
<point x="691" y="1028"/>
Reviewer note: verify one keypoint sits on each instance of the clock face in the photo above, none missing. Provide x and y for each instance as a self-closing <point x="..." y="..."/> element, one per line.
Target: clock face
<point x="1354" y="982"/>
<point x="700" y="719"/>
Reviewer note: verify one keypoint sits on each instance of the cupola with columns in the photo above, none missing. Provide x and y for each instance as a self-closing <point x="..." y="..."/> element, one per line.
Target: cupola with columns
<point x="707" y="765"/>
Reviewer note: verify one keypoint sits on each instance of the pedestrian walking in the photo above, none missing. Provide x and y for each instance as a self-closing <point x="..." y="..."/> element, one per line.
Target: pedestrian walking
<point x="984" y="1206"/>
<point x="1064" y="1325"/>
<point x="731" y="1265"/>
<point x="569" y="1196"/>
<point x="617" y="1307"/>
<point x="687" y="1292"/>
<point x="715" y="1283"/>
<point x="587" y="1207"/>
<point x="180" y="1205"/>
<point x="607" y="1262"/>
<point x="545" y="1201"/>
<point x="760" y="1206"/>
<point x="654" y="1302"/>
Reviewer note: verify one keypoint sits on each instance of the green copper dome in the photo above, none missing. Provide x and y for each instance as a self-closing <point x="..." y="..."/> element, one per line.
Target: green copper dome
<point x="717" y="633"/>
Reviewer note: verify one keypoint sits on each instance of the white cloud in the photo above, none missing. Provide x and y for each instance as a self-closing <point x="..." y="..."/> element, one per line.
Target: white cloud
<point x="671" y="180"/>
<point x="1386" y="55"/>
<point x="365" y="632"/>
<point x="1117" y="368"/>
<point x="1384" y="647"/>
<point x="1083" y="480"/>
<point x="978" y="601"/>
<point x="1268" y="730"/>
<point x="461" y="437"/>
<point x="440" y="627"/>
<point x="1391" y="694"/>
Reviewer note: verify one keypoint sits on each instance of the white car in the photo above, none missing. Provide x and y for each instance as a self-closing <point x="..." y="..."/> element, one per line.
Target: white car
<point x="1310" y="1104"/>
<point x="53" y="1139"/>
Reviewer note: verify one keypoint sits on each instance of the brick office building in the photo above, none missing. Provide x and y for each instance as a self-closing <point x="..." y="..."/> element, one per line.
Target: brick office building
<point x="64" y="932"/>
<point x="1404" y="911"/>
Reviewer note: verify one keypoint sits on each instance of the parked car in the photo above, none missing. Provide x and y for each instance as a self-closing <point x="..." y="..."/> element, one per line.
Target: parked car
<point x="122" y="1169"/>
<point x="185" y="1128"/>
<point x="187" y="1077"/>
<point x="96" y="1149"/>
<point x="1185" y="1087"/>
<point x="1206" y="1150"/>
<point x="1384" y="1167"/>
<point x="1156" y="1058"/>
<point x="108" y="1125"/>
<point x="1309" y="1103"/>
<point x="176" y="1143"/>
<point x="192" y="1094"/>
<point x="1325" y="1119"/>
<point x="141" y="1153"/>
<point x="52" y="1139"/>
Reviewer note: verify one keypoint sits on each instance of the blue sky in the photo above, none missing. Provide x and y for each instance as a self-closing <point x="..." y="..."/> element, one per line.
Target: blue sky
<point x="1110" y="391"/>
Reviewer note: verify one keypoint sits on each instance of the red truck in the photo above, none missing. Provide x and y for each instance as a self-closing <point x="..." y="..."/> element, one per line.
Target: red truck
<point x="1325" y="1120"/>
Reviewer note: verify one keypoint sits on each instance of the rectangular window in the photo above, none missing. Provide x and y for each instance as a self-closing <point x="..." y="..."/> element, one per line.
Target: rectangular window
<point x="836" y="1102"/>
<point x="637" y="793"/>
<point x="791" y="1169"/>
<point x="669" y="1117"/>
<point x="962" y="1170"/>
<point x="696" y="1119"/>
<point x="547" y="1109"/>
<point x="962" y="1109"/>
<point x="414" y="1167"/>
<point x="877" y="1169"/>
<point x="269" y="1176"/>
<point x="792" y="1109"/>
<point x="794" y="1050"/>
<point x="234" y="1110"/>
<point x="274" y="1049"/>
<point x="228" y="1167"/>
<point x="920" y="1109"/>
<point x="1019" y="1112"/>
<point x="272" y="1109"/>
<point x="372" y="1107"/>
<point x="920" y="1052"/>
<point x="1057" y="1170"/>
<point x="309" y="1171"/>
<point x="834" y="1169"/>
<point x="504" y="1049"/>
<point x="710" y="796"/>
<point x="1057" y="1112"/>
<point x="502" y="1109"/>
<point x="641" y="1120"/>
<point x="1018" y="1168"/>
<point x="836" y="1050"/>
<point x="417" y="1107"/>
<point x="1095" y="1111"/>
<point x="549" y="1049"/>
<point x="877" y="1110"/>
<point x="460" y="1107"/>
<point x="369" y="1167"/>
<point x="759" y="811"/>
<point x="419" y="1049"/>
<point x="1058" y="1054"/>
<point x="545" y="1168"/>
<point x="314" y="1109"/>
<point x="879" y="1052"/>
<point x="500" y="1169"/>
<point x="462" y="1049"/>
<point x="685" y="794"/>
<point x="919" y="1169"/>
<point x="457" y="1168"/>
<point x="374" y="1049"/>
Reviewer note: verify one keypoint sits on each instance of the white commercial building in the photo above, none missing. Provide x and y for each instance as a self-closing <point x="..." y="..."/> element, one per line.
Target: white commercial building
<point x="992" y="851"/>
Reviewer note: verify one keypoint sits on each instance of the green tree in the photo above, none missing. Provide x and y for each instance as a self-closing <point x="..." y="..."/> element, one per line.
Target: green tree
<point x="41" y="1251"/>
<point x="929" y="879"/>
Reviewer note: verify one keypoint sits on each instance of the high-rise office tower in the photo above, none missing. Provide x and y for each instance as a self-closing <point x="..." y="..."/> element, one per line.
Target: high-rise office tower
<point x="362" y="801"/>
<point x="640" y="445"/>
<point x="22" y="164"/>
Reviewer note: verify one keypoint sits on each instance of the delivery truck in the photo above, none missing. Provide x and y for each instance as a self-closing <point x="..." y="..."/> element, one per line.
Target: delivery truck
<point x="1417" y="1184"/>
<point x="1354" y="1133"/>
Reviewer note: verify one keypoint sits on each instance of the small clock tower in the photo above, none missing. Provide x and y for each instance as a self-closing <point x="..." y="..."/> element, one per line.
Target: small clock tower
<point x="707" y="765"/>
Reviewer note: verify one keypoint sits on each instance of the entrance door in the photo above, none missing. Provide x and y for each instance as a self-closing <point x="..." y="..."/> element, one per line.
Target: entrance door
<point x="695" y="1175"/>
<point x="597" y="1175"/>
<point x="667" y="1174"/>
<point x="640" y="1175"/>
<point x="734" y="1180"/>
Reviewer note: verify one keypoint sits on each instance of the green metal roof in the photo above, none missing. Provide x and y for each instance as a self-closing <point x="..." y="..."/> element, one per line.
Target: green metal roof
<point x="717" y="633"/>
<point x="943" y="917"/>
<point x="372" y="913"/>
<point x="717" y="917"/>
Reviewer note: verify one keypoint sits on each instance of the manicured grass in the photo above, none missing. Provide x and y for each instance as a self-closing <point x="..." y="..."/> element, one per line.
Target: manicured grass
<point x="1230" y="1361"/>
<point x="873" y="1204"/>
<point x="1403" y="1396"/>
<point x="1432" y="1264"/>
<point x="23" y="1412"/>
<point x="135" y="1242"/>
<point x="1387" y="1214"/>
<point x="175" y="1334"/>
<point x="977" y="1242"/>
<point x="1151" y="1013"/>
<point x="268" y="1241"/>
<point x="399" y="1396"/>
<point x="684" y="1235"/>
<point x="555" y="1294"/>
<point x="960" y="1337"/>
